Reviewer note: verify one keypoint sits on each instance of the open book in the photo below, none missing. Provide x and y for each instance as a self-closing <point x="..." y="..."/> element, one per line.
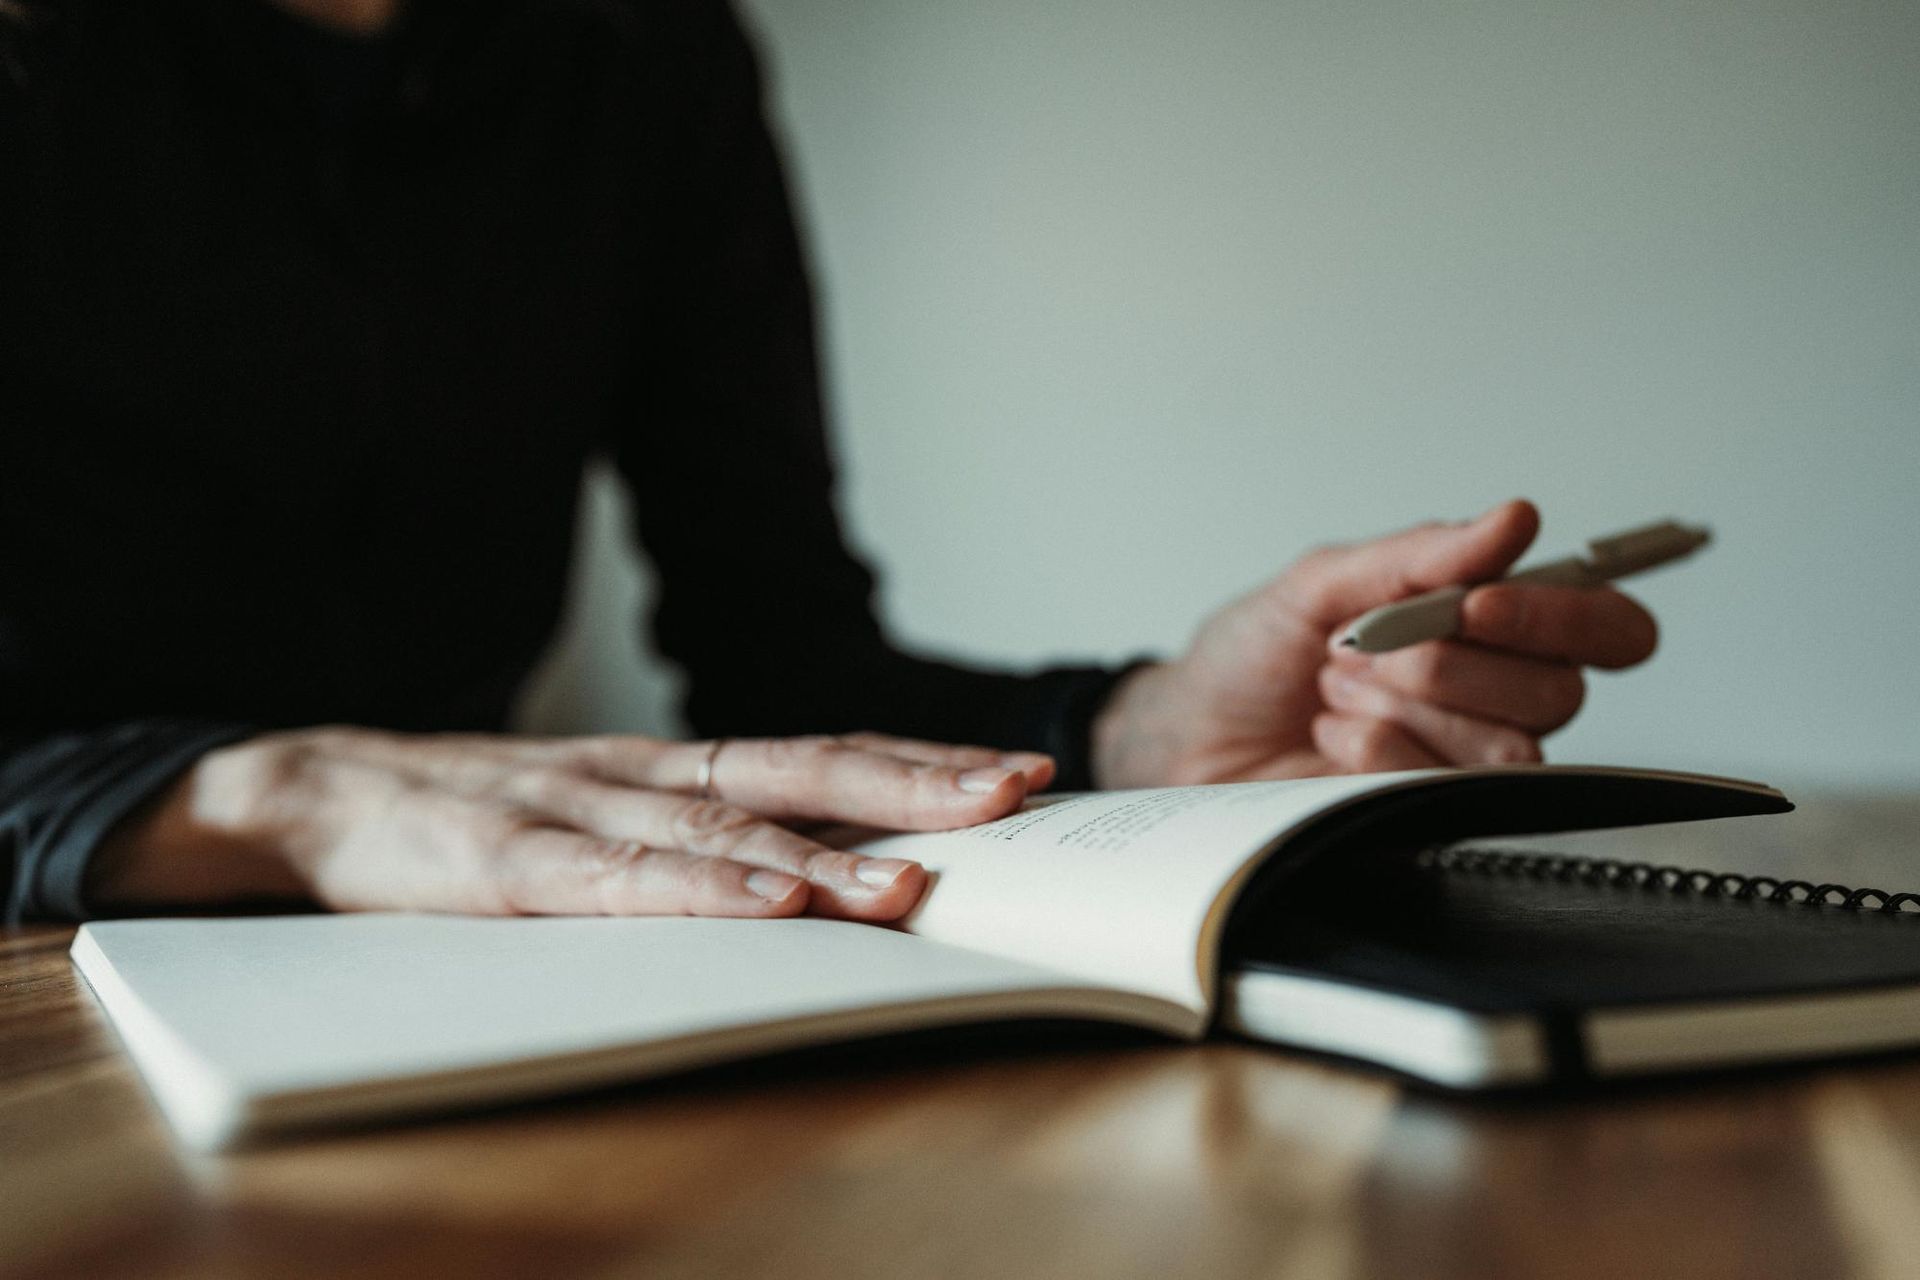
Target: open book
<point x="1108" y="906"/>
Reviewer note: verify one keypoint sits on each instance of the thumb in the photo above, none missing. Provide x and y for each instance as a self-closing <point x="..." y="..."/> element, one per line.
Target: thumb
<point x="1335" y="584"/>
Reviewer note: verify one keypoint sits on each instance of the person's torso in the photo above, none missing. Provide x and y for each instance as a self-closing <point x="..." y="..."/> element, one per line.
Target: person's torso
<point x="302" y="345"/>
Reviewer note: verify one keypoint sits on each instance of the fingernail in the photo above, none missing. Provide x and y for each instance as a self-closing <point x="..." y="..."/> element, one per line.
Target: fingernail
<point x="774" y="886"/>
<point x="880" y="872"/>
<point x="981" y="781"/>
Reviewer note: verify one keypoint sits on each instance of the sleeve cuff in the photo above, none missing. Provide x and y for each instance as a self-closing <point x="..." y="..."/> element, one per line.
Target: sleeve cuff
<point x="1070" y="731"/>
<point x="61" y="797"/>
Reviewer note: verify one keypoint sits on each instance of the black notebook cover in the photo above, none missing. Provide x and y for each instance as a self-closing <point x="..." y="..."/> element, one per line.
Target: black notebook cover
<point x="1565" y="940"/>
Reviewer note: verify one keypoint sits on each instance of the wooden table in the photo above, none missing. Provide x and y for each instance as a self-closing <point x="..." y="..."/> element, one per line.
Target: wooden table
<point x="1111" y="1157"/>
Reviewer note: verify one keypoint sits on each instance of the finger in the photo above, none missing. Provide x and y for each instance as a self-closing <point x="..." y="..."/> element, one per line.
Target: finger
<point x="491" y="766"/>
<point x="843" y="884"/>
<point x="1336" y="584"/>
<point x="1488" y="684"/>
<point x="540" y="870"/>
<point x="1038" y="767"/>
<point x="1595" y="627"/>
<point x="1452" y="737"/>
<point x="822" y="777"/>
<point x="1366" y="744"/>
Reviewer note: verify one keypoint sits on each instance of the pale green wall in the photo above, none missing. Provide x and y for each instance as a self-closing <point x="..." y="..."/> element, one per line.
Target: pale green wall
<point x="1127" y="303"/>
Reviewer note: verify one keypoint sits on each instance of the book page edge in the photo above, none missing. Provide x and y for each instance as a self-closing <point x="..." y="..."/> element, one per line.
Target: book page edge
<point x="185" y="1086"/>
<point x="529" y="1078"/>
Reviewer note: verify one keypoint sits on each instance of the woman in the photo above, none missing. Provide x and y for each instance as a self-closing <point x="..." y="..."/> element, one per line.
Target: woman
<point x="312" y="313"/>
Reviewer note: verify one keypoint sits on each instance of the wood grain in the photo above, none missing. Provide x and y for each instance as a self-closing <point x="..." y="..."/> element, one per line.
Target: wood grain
<point x="1097" y="1154"/>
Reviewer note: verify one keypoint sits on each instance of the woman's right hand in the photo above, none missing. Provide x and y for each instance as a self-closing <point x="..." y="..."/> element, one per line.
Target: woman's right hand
<point x="361" y="819"/>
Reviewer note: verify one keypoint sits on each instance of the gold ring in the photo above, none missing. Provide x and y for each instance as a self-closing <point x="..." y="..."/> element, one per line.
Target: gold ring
<point x="703" y="780"/>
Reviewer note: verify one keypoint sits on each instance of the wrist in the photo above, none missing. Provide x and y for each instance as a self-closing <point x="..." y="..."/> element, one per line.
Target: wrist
<point x="213" y="836"/>
<point x="1133" y="734"/>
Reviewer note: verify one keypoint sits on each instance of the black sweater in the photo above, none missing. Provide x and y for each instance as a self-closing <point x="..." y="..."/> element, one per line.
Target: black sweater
<point x="303" y="344"/>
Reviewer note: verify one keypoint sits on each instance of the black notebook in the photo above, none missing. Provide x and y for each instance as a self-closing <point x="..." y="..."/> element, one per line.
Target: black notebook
<point x="1302" y="912"/>
<point x="1474" y="968"/>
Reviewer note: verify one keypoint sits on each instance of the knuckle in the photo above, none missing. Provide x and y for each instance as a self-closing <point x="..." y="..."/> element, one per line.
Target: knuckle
<point x="801" y="753"/>
<point x="550" y="787"/>
<point x="494" y="826"/>
<point x="1317" y="557"/>
<point x="929" y="787"/>
<point x="260" y="781"/>
<point x="597" y="751"/>
<point x="913" y="797"/>
<point x="490" y="840"/>
<point x="608" y="859"/>
<point x="342" y="739"/>
<point x="1281" y="604"/>
<point x="325" y="739"/>
<point x="615" y="755"/>
<point x="1306" y="584"/>
<point x="781" y="754"/>
<point x="594" y="746"/>
<point x="704" y="823"/>
<point x="707" y="887"/>
<point x="824" y="747"/>
<point x="829" y="864"/>
<point x="610" y="867"/>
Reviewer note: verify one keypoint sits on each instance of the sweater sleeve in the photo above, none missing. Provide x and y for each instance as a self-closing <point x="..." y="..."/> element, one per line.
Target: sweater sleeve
<point x="60" y="794"/>
<point x="761" y="601"/>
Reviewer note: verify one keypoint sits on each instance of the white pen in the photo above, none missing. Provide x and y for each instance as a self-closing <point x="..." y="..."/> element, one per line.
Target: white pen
<point x="1436" y="614"/>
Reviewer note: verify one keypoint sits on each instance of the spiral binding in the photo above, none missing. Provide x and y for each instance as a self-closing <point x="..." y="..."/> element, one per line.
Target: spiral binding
<point x="1614" y="874"/>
